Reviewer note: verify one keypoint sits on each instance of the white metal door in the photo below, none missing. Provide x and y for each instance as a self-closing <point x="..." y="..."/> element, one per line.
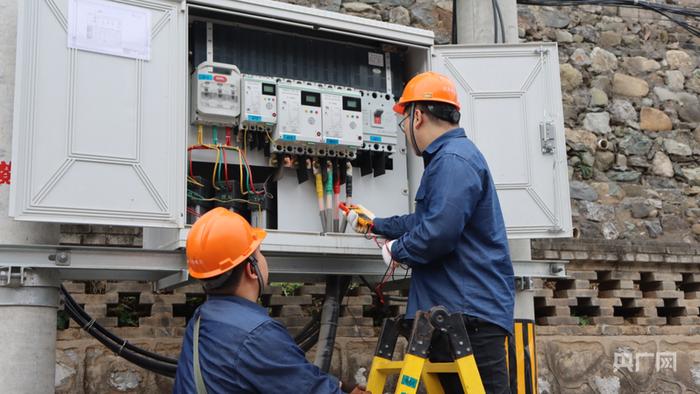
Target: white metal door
<point x="511" y="109"/>
<point x="99" y="138"/>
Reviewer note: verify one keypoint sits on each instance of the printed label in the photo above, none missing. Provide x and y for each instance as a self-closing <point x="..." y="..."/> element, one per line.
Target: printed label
<point x="374" y="138"/>
<point x="409" y="381"/>
<point x="205" y="77"/>
<point x="289" y="137"/>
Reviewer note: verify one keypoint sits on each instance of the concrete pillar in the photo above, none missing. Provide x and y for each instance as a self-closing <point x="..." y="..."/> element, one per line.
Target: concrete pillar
<point x="28" y="331"/>
<point x="28" y="298"/>
<point x="475" y="21"/>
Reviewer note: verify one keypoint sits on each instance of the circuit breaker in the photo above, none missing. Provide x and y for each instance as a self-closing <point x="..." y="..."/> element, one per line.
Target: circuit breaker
<point x="380" y="124"/>
<point x="299" y="118"/>
<point x="342" y="116"/>
<point x="258" y="103"/>
<point x="215" y="94"/>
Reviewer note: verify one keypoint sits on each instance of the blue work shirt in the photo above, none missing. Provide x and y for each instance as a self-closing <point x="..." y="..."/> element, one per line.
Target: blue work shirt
<point x="455" y="241"/>
<point x="243" y="350"/>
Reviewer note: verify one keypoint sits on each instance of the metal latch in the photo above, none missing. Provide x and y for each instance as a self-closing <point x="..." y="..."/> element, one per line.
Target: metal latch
<point x="547" y="132"/>
<point x="12" y="276"/>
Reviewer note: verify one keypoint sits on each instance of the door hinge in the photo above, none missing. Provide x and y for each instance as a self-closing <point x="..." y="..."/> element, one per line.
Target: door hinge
<point x="547" y="132"/>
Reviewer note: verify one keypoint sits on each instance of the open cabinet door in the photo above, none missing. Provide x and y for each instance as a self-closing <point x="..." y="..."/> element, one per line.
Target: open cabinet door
<point x="512" y="110"/>
<point x="100" y="138"/>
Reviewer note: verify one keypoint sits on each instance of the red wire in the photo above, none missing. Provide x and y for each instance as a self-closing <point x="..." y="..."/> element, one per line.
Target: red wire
<point x="250" y="176"/>
<point x="223" y="150"/>
<point x="228" y="136"/>
<point x="192" y="211"/>
<point x="189" y="155"/>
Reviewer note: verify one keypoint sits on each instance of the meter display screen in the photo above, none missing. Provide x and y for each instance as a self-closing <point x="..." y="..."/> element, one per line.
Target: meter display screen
<point x="268" y="89"/>
<point x="352" y="104"/>
<point x="312" y="99"/>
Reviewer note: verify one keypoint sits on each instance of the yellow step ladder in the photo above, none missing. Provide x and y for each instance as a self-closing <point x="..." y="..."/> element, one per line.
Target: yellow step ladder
<point x="415" y="367"/>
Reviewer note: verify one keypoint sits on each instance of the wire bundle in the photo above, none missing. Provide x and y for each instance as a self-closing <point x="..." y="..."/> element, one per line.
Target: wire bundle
<point x="663" y="9"/>
<point x="143" y="358"/>
<point x="154" y="362"/>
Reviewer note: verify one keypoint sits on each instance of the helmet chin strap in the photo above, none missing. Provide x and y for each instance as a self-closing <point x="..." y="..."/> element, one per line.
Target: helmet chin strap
<point x="261" y="283"/>
<point x="412" y="133"/>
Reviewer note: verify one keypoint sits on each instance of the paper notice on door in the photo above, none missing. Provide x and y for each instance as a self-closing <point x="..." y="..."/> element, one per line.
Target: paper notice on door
<point x="112" y="28"/>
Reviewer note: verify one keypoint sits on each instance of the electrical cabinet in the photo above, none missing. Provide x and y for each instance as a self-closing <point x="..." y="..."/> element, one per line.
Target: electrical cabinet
<point x="510" y="95"/>
<point x="99" y="138"/>
<point x="122" y="150"/>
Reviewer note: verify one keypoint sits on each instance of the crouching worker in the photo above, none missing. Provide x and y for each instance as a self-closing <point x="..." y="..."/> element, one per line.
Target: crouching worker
<point x="231" y="344"/>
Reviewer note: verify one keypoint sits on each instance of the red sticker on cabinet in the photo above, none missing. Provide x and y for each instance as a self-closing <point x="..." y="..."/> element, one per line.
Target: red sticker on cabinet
<point x="5" y="167"/>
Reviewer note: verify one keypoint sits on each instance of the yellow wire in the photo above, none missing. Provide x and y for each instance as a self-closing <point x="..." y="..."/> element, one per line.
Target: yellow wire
<point x="240" y="162"/>
<point x="240" y="171"/>
<point x="194" y="181"/>
<point x="269" y="137"/>
<point x="213" y="174"/>
<point x="232" y="200"/>
<point x="200" y="135"/>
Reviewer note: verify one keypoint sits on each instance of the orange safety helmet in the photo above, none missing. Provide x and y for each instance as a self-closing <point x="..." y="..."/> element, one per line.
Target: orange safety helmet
<point x="428" y="86"/>
<point x="219" y="241"/>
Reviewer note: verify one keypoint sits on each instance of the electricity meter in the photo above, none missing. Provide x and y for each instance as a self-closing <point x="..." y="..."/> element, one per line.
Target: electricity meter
<point x="342" y="117"/>
<point x="299" y="117"/>
<point x="258" y="103"/>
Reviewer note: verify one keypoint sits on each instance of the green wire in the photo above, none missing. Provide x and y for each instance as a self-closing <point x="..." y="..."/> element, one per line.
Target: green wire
<point x="329" y="181"/>
<point x="218" y="169"/>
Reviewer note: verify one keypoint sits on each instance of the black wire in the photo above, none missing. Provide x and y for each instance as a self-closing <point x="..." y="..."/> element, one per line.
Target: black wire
<point x="148" y="363"/>
<point x="690" y="28"/>
<point x="70" y="301"/>
<point x="454" y="21"/>
<point x="500" y="21"/>
<point x="662" y="9"/>
<point x="495" y="24"/>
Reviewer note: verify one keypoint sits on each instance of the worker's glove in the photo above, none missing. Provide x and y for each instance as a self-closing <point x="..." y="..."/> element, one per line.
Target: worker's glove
<point x="359" y="217"/>
<point x="386" y="252"/>
<point x="346" y="388"/>
<point x="360" y="390"/>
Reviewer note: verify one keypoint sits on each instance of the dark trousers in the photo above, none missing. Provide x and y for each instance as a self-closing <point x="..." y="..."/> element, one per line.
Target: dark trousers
<point x="488" y="342"/>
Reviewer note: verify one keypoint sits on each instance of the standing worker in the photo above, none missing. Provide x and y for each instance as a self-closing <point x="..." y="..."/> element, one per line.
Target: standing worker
<point x="455" y="242"/>
<point x="231" y="344"/>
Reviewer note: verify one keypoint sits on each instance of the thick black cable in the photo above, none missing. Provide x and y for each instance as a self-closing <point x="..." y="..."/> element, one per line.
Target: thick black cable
<point x="693" y="12"/>
<point x="313" y="326"/>
<point x="69" y="300"/>
<point x="310" y="342"/>
<point x="454" y="22"/>
<point x="662" y="9"/>
<point x="495" y="22"/>
<point x="148" y="363"/>
<point x="500" y="21"/>
<point x="683" y="24"/>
